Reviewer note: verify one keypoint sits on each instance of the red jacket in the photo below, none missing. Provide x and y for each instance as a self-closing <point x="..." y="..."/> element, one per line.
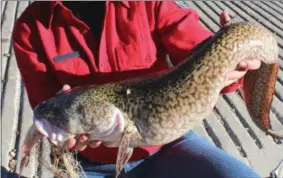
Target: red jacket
<point x="53" y="48"/>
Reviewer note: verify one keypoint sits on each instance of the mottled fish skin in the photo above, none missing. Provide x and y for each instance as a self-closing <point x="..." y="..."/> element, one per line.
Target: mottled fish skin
<point x="160" y="110"/>
<point x="164" y="108"/>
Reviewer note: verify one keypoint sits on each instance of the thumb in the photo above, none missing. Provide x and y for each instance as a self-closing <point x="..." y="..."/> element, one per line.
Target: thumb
<point x="65" y="88"/>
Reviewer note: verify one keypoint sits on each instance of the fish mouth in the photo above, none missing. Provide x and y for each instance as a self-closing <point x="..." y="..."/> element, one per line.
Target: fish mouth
<point x="55" y="135"/>
<point x="58" y="136"/>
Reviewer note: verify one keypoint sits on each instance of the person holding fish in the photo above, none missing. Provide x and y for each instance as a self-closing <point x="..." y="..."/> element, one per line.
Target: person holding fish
<point x="68" y="44"/>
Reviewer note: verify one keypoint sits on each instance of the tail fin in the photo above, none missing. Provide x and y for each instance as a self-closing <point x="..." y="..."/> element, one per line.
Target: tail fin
<point x="259" y="86"/>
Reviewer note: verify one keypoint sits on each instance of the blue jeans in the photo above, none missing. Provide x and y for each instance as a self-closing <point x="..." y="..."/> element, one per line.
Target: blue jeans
<point x="189" y="156"/>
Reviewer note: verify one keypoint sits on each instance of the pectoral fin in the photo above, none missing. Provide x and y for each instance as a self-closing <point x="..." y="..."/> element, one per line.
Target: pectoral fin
<point x="32" y="137"/>
<point x="124" y="152"/>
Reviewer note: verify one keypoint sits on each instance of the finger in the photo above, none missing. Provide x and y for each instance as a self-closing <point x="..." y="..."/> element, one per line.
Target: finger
<point x="224" y="18"/>
<point x="81" y="142"/>
<point x="66" y="87"/>
<point x="70" y="144"/>
<point x="242" y="66"/>
<point x="82" y="146"/>
<point x="235" y="75"/>
<point x="253" y="64"/>
<point x="229" y="82"/>
<point x="94" y="144"/>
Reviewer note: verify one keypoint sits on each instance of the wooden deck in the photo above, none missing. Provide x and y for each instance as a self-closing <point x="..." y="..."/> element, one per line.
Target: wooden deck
<point x="228" y="127"/>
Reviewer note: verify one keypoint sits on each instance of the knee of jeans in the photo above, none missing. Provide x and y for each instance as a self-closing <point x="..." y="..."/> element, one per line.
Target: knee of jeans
<point x="190" y="135"/>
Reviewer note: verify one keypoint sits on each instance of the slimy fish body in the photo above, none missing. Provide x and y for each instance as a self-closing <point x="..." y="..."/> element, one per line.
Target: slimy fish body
<point x="157" y="111"/>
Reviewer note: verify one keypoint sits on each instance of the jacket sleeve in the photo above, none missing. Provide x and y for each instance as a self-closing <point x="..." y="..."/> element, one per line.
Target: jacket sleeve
<point x="180" y="31"/>
<point x="39" y="82"/>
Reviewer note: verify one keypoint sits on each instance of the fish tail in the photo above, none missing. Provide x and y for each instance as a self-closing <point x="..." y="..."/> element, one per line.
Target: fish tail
<point x="259" y="87"/>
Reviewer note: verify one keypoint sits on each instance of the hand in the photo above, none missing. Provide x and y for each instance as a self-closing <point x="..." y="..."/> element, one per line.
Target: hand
<point x="81" y="141"/>
<point x="243" y="66"/>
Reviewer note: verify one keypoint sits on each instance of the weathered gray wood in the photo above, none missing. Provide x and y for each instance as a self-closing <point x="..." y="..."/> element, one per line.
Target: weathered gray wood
<point x="279" y="91"/>
<point x="3" y="5"/>
<point x="211" y="22"/>
<point x="254" y="155"/>
<point x="211" y="13"/>
<point x="200" y="130"/>
<point x="277" y="108"/>
<point x="262" y="5"/>
<point x="2" y="15"/>
<point x="226" y="142"/>
<point x="258" y="17"/>
<point x="9" y="117"/>
<point x="208" y="23"/>
<point x="7" y="27"/>
<point x="274" y="7"/>
<point x="281" y="63"/>
<point x="278" y="4"/>
<point x="259" y="12"/>
<point x="26" y="116"/>
<point x="9" y="19"/>
<point x="280" y="76"/>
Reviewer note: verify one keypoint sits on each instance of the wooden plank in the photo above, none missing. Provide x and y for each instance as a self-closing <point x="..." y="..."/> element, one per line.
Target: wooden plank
<point x="209" y="13"/>
<point x="200" y="130"/>
<point x="258" y="17"/>
<point x="280" y="76"/>
<point x="273" y="6"/>
<point x="278" y="4"/>
<point x="277" y="108"/>
<point x="7" y="27"/>
<point x="261" y="13"/>
<point x="25" y="117"/>
<point x="9" y="118"/>
<point x="225" y="141"/>
<point x="208" y="23"/>
<point x="254" y="155"/>
<point x="264" y="6"/>
<point x="3" y="11"/>
<point x="279" y="91"/>
<point x="211" y="5"/>
<point x="3" y="6"/>
<point x="281" y="62"/>
<point x="9" y="19"/>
